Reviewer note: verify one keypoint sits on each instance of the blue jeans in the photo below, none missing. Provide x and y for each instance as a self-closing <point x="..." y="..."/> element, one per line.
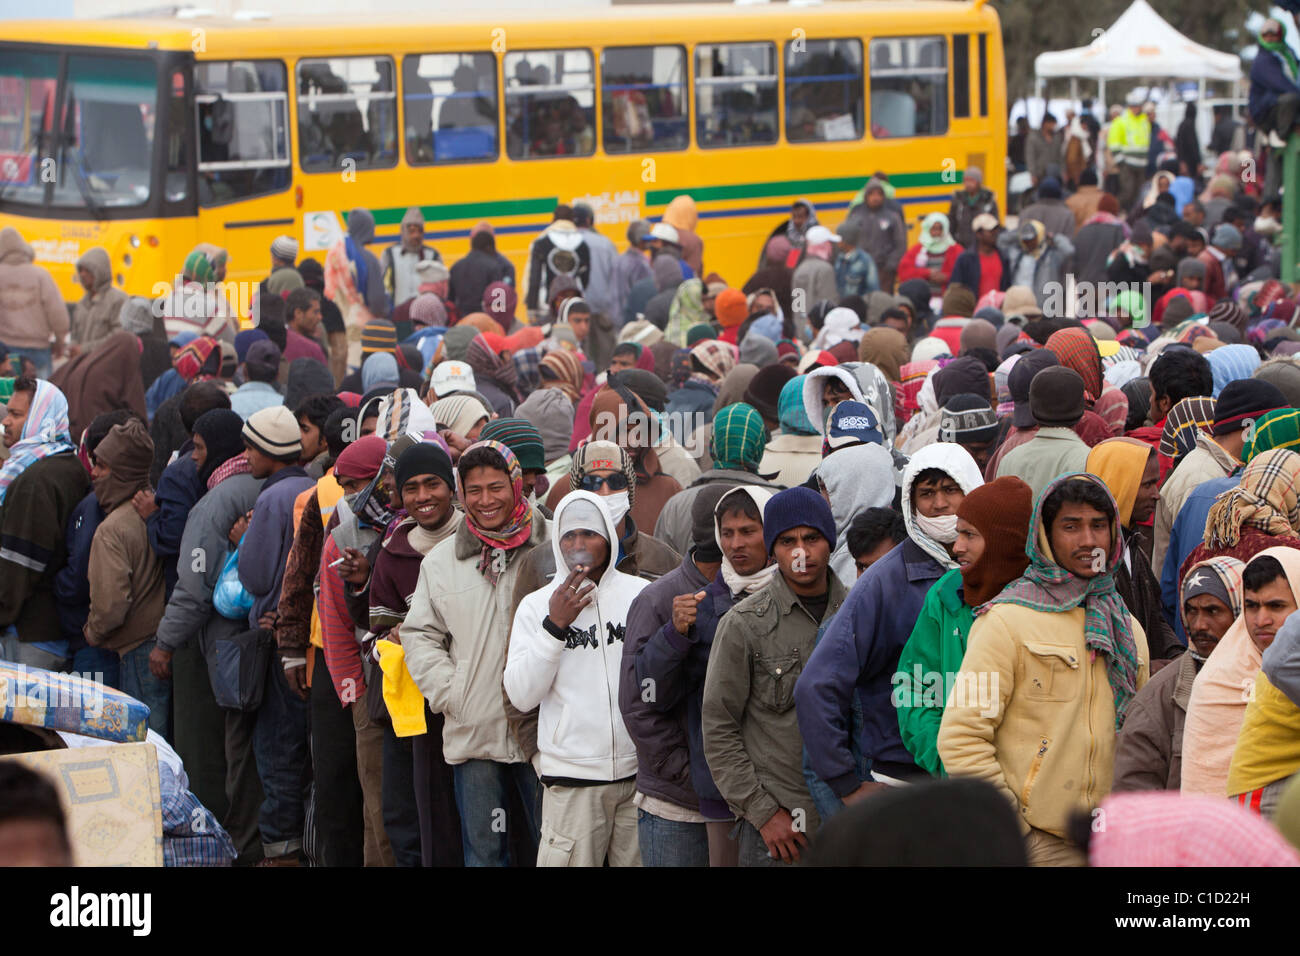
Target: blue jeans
<point x="670" y="842"/>
<point x="98" y="664"/>
<point x="753" y="849"/>
<point x="280" y="748"/>
<point x="482" y="795"/>
<point x="139" y="682"/>
<point x="38" y="357"/>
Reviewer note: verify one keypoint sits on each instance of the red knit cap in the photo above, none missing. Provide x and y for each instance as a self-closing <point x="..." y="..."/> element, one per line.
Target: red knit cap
<point x="731" y="308"/>
<point x="1001" y="511"/>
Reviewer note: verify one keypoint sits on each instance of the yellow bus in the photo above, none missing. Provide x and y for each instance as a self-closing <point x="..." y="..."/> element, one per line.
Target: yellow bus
<point x="147" y="137"/>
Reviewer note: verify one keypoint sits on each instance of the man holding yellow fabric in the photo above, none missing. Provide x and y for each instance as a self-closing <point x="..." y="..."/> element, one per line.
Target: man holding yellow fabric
<point x="413" y="760"/>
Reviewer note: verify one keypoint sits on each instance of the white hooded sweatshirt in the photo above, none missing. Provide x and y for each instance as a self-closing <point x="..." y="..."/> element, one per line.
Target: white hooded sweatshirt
<point x="574" y="682"/>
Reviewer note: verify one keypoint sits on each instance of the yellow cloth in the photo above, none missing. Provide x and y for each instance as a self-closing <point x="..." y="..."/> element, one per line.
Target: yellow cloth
<point x="404" y="701"/>
<point x="1217" y="706"/>
<point x="1268" y="747"/>
<point x="1120" y="462"/>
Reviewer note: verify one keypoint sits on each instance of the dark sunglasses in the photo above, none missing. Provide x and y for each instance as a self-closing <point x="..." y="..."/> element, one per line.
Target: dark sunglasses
<point x="614" y="482"/>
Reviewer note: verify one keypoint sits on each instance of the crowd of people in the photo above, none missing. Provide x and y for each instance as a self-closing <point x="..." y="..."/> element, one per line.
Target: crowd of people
<point x="880" y="555"/>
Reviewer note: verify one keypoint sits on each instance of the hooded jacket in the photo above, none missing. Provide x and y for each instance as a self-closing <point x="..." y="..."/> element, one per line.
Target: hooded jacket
<point x="867" y="384"/>
<point x="682" y="216"/>
<point x="189" y="612"/>
<point x="856" y="478"/>
<point x="574" y="682"/>
<point x="1042" y="727"/>
<point x="31" y="308"/>
<point x="860" y="650"/>
<point x="126" y="578"/>
<point x="94" y="318"/>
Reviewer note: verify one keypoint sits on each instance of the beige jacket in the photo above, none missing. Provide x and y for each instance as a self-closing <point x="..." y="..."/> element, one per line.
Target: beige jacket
<point x="1203" y="463"/>
<point x="31" y="308"/>
<point x="1041" y="725"/>
<point x="455" y="637"/>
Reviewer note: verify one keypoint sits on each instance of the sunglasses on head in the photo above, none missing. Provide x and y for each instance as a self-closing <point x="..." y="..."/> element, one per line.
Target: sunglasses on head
<point x="614" y="482"/>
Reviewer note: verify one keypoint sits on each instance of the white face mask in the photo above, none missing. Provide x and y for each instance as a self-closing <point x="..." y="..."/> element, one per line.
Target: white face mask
<point x="942" y="529"/>
<point x="617" y="505"/>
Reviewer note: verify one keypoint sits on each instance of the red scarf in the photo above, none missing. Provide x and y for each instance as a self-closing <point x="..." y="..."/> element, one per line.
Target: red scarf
<point x="515" y="532"/>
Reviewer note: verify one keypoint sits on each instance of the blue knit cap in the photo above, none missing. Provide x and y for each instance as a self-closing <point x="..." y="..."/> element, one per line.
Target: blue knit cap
<point x="793" y="508"/>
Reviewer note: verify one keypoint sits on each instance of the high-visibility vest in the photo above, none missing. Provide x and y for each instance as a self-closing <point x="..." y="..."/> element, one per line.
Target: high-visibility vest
<point x="1130" y="136"/>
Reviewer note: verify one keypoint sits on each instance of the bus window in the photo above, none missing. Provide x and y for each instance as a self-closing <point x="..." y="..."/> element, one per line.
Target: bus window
<point x="735" y="94"/>
<point x="909" y="86"/>
<point x="176" y="154"/>
<point x="643" y="98"/>
<point x="243" y="126"/>
<point x="451" y="107"/>
<point x="104" y="155"/>
<point x="28" y="84"/>
<point x="823" y="90"/>
<point x="347" y="114"/>
<point x="550" y="104"/>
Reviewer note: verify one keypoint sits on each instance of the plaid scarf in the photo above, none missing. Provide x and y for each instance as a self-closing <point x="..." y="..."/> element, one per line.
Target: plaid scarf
<point x="238" y="465"/>
<point x="516" y="531"/>
<point x="1185" y="420"/>
<point x="1049" y="588"/>
<point x="1266" y="499"/>
<point x="45" y="432"/>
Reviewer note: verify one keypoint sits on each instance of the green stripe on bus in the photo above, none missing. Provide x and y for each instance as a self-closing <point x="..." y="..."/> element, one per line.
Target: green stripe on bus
<point x="469" y="210"/>
<point x="794" y="187"/>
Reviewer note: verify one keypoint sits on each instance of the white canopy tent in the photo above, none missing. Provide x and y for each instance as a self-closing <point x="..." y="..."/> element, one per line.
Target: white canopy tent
<point x="1139" y="44"/>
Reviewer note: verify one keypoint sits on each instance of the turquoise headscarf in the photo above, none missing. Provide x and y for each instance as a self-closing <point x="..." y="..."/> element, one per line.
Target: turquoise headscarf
<point x="791" y="410"/>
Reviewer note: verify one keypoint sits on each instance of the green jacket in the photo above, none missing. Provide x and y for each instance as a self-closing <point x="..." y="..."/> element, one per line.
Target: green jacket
<point x="927" y="667"/>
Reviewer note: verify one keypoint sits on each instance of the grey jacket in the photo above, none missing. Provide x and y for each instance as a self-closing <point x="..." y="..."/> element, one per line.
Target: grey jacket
<point x="204" y="547"/>
<point x="884" y="237"/>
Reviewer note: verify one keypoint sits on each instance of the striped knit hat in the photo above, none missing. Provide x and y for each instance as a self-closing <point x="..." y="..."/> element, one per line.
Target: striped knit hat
<point x="274" y="432"/>
<point x="739" y="437"/>
<point x="521" y="437"/>
<point x="378" y="335"/>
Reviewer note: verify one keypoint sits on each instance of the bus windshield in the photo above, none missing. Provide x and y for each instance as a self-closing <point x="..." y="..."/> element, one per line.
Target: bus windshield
<point x="87" y="145"/>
